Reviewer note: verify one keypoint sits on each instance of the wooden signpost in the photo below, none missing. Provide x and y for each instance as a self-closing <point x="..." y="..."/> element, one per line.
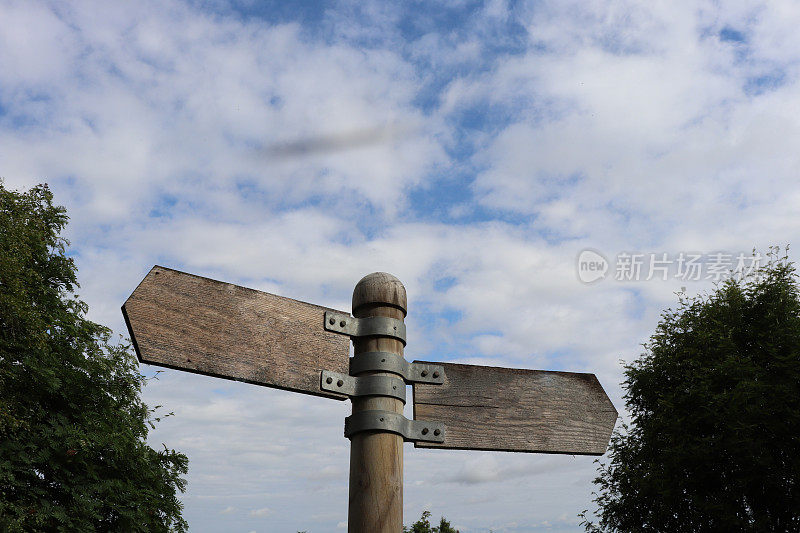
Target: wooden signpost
<point x="196" y="324"/>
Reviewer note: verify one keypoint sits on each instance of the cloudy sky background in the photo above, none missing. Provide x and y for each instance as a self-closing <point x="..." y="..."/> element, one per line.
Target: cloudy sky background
<point x="473" y="150"/>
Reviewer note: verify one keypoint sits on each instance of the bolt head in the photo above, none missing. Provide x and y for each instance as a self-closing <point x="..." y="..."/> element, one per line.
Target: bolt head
<point x="436" y="374"/>
<point x="437" y="432"/>
<point x="424" y="431"/>
<point x="424" y="373"/>
<point x="342" y="323"/>
<point x="332" y="321"/>
<point x="340" y="382"/>
<point x="329" y="381"/>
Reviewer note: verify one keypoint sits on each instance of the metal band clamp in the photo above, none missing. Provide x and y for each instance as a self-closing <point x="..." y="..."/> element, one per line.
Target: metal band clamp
<point x="396" y="364"/>
<point x="411" y="430"/>
<point x="363" y="386"/>
<point x="365" y="327"/>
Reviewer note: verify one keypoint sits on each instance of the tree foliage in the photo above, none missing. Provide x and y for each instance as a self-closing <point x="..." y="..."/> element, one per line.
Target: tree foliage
<point x="73" y="455"/>
<point x="423" y="525"/>
<point x="714" y="437"/>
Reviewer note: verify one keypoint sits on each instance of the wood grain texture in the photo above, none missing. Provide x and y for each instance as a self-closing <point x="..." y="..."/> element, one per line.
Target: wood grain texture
<point x="509" y="409"/>
<point x="376" y="458"/>
<point x="380" y="289"/>
<point x="200" y="325"/>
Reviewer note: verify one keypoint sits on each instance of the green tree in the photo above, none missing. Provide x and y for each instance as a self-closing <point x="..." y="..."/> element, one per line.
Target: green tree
<point x="73" y="455"/>
<point x="423" y="525"/>
<point x="714" y="437"/>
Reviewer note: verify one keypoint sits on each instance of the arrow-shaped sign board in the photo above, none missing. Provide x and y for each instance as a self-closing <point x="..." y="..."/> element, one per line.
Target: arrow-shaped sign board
<point x="509" y="409"/>
<point x="196" y="324"/>
<point x="200" y="325"/>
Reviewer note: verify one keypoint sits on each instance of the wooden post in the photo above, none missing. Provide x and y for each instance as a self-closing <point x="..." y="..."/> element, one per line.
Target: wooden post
<point x="197" y="324"/>
<point x="376" y="458"/>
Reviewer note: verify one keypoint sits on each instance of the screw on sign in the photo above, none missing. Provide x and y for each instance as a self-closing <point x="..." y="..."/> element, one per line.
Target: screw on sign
<point x="196" y="324"/>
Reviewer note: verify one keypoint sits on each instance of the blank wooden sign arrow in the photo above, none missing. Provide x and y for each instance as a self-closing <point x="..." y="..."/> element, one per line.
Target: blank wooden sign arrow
<point x="509" y="409"/>
<point x="200" y="325"/>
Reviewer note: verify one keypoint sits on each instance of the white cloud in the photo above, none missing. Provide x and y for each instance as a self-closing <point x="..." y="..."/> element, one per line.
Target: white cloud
<point x="171" y="101"/>
<point x="647" y="111"/>
<point x="617" y="126"/>
<point x="35" y="46"/>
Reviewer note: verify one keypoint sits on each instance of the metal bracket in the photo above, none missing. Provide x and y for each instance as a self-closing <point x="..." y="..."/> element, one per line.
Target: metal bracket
<point x="391" y="362"/>
<point x="365" y="327"/>
<point x="411" y="430"/>
<point x="363" y="386"/>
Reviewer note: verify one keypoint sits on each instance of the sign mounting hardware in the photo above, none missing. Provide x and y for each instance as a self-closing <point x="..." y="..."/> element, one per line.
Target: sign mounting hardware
<point x="393" y="363"/>
<point x="209" y="327"/>
<point x="374" y="326"/>
<point x="410" y="430"/>
<point x="363" y="386"/>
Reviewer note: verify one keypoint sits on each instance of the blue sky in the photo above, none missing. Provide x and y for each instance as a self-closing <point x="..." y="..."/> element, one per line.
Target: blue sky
<point x="472" y="149"/>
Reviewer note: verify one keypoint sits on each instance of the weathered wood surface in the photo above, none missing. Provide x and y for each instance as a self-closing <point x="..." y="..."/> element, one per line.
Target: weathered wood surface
<point x="200" y="325"/>
<point x="509" y="409"/>
<point x="376" y="458"/>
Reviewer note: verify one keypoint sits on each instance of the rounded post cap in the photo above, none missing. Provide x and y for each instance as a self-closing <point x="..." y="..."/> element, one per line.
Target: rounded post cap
<point x="380" y="288"/>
